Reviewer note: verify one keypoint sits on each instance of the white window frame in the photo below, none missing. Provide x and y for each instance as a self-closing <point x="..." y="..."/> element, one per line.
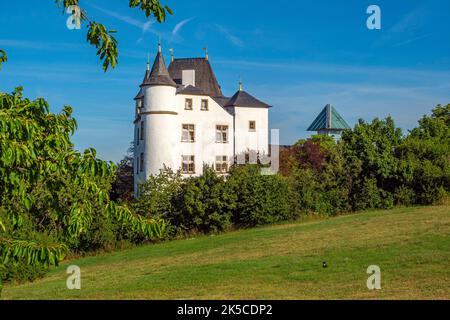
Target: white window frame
<point x="206" y="104"/>
<point x="220" y="131"/>
<point x="221" y="165"/>
<point x="191" y="104"/>
<point x="188" y="133"/>
<point x="188" y="164"/>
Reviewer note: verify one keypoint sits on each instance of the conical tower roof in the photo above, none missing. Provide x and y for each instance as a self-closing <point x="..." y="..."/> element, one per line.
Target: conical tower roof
<point x="159" y="75"/>
<point x="328" y="119"/>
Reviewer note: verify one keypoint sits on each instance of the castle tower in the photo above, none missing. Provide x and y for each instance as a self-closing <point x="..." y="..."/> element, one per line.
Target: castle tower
<point x="156" y="124"/>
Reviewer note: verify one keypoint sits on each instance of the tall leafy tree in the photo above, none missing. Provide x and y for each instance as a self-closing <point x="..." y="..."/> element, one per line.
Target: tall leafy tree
<point x="47" y="187"/>
<point x="370" y="153"/>
<point x="425" y="159"/>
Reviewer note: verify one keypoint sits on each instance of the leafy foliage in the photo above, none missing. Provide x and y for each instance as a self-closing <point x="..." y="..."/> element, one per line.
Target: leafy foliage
<point x="123" y="184"/>
<point x="425" y="159"/>
<point x="102" y="38"/>
<point x="370" y="153"/>
<point x="261" y="199"/>
<point x="3" y="57"/>
<point x="48" y="188"/>
<point x="206" y="204"/>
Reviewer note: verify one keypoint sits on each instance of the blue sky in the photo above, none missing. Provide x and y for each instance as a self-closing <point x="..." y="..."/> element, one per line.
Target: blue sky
<point x="296" y="55"/>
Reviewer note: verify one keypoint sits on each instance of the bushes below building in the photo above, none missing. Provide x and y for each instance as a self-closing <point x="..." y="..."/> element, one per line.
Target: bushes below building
<point x="211" y="203"/>
<point x="373" y="166"/>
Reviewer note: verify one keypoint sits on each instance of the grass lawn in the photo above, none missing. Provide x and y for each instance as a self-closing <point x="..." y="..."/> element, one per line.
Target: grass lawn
<point x="410" y="245"/>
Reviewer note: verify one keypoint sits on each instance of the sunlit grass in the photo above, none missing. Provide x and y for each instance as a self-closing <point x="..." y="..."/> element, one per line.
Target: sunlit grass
<point x="410" y="245"/>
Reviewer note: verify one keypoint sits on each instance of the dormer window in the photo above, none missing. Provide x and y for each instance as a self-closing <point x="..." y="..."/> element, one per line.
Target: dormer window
<point x="188" y="104"/>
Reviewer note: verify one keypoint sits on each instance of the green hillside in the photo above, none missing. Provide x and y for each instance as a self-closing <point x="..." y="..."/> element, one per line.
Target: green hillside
<point x="411" y="246"/>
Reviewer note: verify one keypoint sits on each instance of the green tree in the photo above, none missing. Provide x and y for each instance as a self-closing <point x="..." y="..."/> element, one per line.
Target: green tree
<point x="157" y="196"/>
<point x="261" y="199"/>
<point x="205" y="203"/>
<point x="50" y="194"/>
<point x="123" y="185"/>
<point x="317" y="173"/>
<point x="425" y="160"/>
<point x="370" y="153"/>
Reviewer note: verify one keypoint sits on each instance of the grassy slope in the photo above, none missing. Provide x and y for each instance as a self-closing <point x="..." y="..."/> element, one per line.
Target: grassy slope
<point x="411" y="245"/>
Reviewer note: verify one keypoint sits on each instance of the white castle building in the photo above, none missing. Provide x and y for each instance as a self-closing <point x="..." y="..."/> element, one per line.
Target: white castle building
<point x="183" y="121"/>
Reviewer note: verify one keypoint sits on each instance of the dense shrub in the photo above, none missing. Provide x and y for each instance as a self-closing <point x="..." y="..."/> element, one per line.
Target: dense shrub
<point x="373" y="166"/>
<point x="206" y="204"/>
<point x="318" y="176"/>
<point x="211" y="203"/>
<point x="261" y="199"/>
<point x="158" y="197"/>
<point x="370" y="154"/>
<point x="425" y="158"/>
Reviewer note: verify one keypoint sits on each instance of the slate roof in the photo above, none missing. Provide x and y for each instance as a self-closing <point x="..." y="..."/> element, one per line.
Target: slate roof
<point x="328" y="119"/>
<point x="243" y="99"/>
<point x="221" y="101"/>
<point x="159" y="75"/>
<point x="204" y="75"/>
<point x="140" y="95"/>
<point x="192" y="91"/>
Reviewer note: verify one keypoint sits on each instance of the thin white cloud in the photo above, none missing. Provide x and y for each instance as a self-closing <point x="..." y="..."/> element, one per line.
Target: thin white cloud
<point x="180" y="25"/>
<point x="407" y="27"/>
<point x="144" y="26"/>
<point x="229" y="36"/>
<point x="411" y="40"/>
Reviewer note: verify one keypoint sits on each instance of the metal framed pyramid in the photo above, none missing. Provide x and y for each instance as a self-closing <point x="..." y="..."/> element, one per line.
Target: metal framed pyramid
<point x="329" y="121"/>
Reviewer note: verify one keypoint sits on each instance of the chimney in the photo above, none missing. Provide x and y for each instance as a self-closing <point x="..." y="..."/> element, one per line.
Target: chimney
<point x="188" y="78"/>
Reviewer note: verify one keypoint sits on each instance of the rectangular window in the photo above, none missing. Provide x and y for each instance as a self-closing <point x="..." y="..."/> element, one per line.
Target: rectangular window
<point x="188" y="133"/>
<point x="142" y="163"/>
<point x="252" y="125"/>
<point x="204" y="105"/>
<point x="221" y="134"/>
<point x="188" y="164"/>
<point x="137" y="136"/>
<point x="221" y="164"/>
<point x="188" y="104"/>
<point x="142" y="130"/>
<point x="137" y="165"/>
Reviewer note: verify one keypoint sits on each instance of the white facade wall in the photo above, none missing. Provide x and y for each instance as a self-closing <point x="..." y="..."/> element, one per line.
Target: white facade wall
<point x="163" y="114"/>
<point x="246" y="139"/>
<point x="205" y="147"/>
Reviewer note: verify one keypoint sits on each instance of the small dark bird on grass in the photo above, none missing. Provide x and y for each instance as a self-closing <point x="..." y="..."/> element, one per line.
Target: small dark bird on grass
<point x="324" y="264"/>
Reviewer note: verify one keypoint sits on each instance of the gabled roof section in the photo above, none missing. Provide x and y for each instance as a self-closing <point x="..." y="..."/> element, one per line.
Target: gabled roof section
<point x="243" y="99"/>
<point x="328" y="119"/>
<point x="159" y="75"/>
<point x="205" y="78"/>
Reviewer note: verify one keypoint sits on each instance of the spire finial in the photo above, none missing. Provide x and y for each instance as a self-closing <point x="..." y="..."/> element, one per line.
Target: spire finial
<point x="171" y="55"/>
<point x="159" y="44"/>
<point x="240" y="83"/>
<point x="206" y="53"/>
<point x="148" y="61"/>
